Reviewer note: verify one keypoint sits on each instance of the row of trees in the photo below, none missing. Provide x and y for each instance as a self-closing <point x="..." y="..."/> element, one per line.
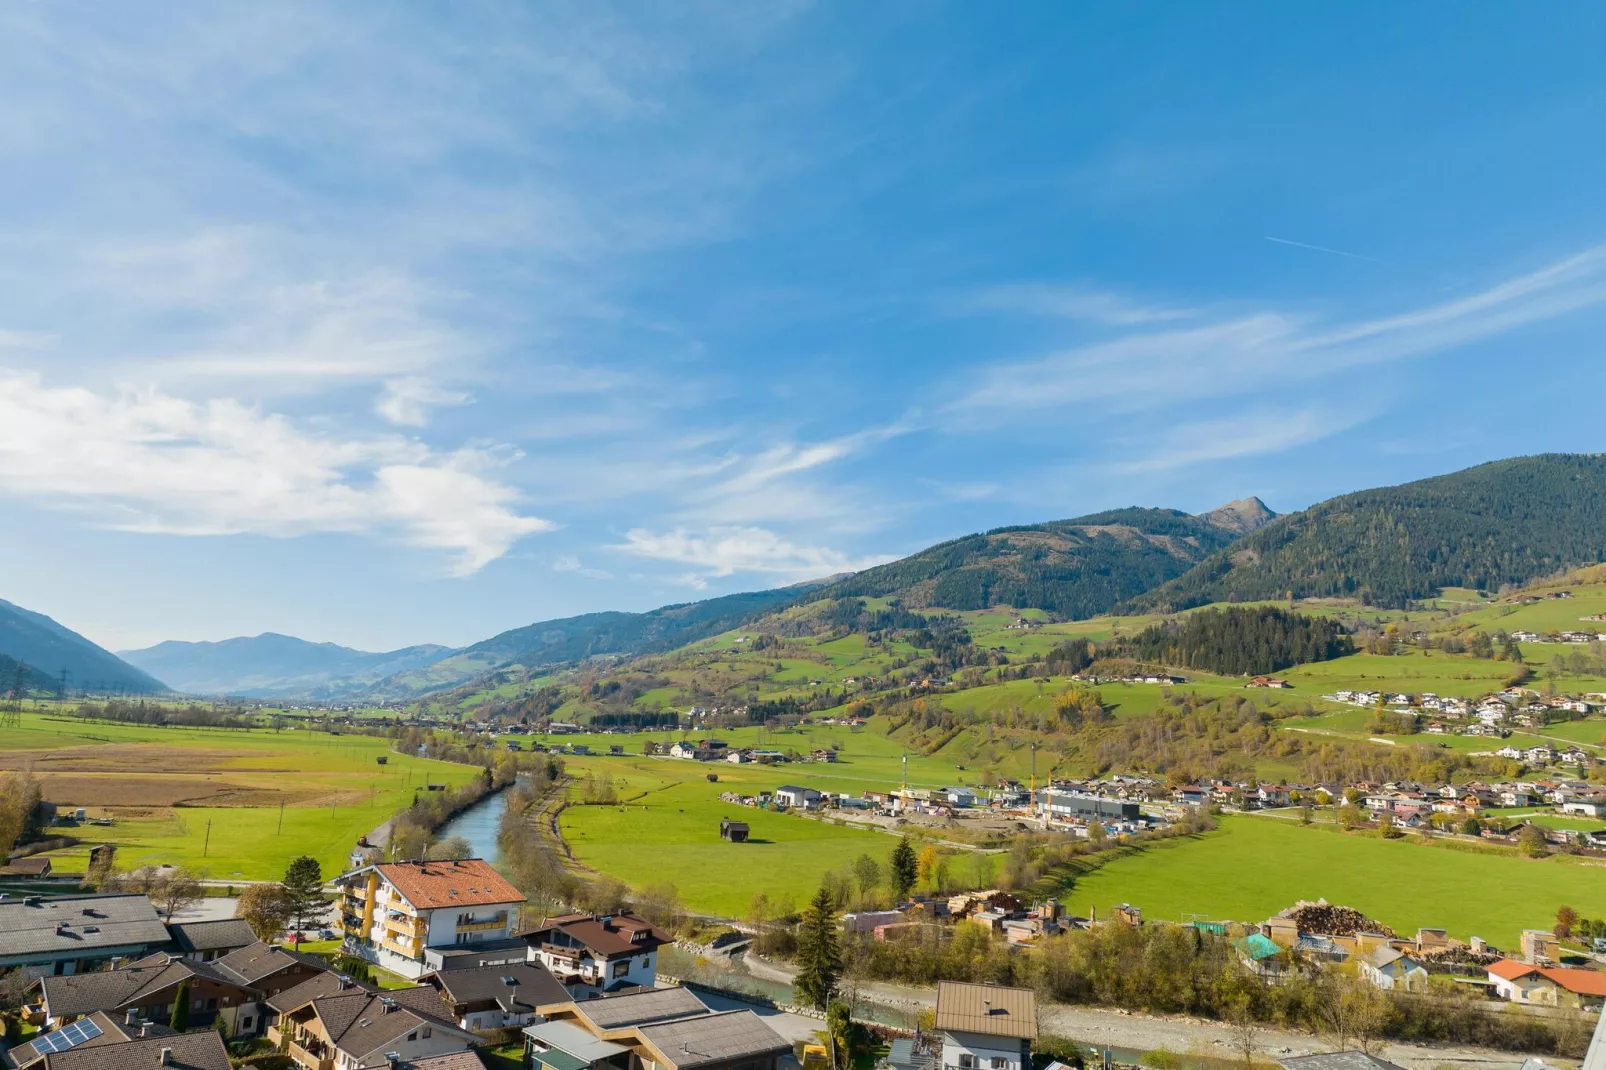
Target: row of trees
<point x="1169" y="969"/>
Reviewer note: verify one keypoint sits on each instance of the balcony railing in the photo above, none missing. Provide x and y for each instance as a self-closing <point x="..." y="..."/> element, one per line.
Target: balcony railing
<point x="308" y="1060"/>
<point x="483" y="924"/>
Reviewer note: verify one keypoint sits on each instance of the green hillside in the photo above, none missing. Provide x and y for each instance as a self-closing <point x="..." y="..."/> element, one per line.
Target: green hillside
<point x="1077" y="568"/>
<point x="1507" y="522"/>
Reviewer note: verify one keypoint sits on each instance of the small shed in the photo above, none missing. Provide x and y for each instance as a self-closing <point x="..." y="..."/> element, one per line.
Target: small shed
<point x="381" y="760"/>
<point x="733" y="831"/>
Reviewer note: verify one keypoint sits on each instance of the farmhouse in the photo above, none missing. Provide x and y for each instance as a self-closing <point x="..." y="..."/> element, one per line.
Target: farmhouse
<point x="597" y="953"/>
<point x="390" y="913"/>
<point x="986" y="1027"/>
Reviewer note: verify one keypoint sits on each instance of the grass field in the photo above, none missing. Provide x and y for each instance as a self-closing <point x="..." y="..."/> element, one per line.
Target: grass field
<point x="1252" y="867"/>
<point x="235" y="803"/>
<point x="672" y="834"/>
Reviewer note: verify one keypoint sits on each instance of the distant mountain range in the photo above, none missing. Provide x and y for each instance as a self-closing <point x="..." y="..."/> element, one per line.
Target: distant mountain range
<point x="50" y="649"/>
<point x="272" y="665"/>
<point x="1505" y="522"/>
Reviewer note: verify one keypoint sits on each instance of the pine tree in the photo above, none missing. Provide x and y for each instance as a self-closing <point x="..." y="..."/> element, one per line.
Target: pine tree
<point x="904" y="867"/>
<point x="819" y="958"/>
<point x="304" y="901"/>
<point x="179" y="1020"/>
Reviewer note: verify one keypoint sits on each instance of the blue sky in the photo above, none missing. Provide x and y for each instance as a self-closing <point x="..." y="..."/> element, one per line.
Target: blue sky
<point x="397" y="323"/>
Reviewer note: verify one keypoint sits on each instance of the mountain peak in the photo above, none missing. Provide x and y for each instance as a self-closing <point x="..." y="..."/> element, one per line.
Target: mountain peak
<point x="1242" y="516"/>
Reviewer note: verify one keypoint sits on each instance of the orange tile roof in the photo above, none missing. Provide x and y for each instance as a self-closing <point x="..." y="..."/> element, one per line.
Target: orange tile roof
<point x="1579" y="982"/>
<point x="470" y="882"/>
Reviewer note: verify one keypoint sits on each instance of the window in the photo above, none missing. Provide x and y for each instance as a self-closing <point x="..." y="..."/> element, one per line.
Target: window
<point x="427" y="1031"/>
<point x="246" y="1024"/>
<point x="621" y="968"/>
<point x="1000" y="1064"/>
<point x="968" y="1061"/>
<point x="413" y="1035"/>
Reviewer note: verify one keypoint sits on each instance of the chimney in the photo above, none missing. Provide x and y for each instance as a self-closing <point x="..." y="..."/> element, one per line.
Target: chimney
<point x="393" y="1059"/>
<point x="166" y="1058"/>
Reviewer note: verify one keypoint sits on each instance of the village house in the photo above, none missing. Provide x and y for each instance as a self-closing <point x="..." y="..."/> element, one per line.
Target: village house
<point x="201" y="1050"/>
<point x="496" y="997"/>
<point x="356" y="1029"/>
<point x="97" y="1030"/>
<point x="1548" y="986"/>
<point x="594" y="954"/>
<point x="206" y="941"/>
<point x="651" y="1029"/>
<point x="328" y="983"/>
<point x="148" y="989"/>
<point x="986" y="1027"/>
<point x="391" y="912"/>
<point x="796" y="798"/>
<point x="1393" y="970"/>
<point x="66" y="934"/>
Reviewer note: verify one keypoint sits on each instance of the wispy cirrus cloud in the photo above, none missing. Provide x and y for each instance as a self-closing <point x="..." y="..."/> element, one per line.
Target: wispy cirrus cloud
<point x="1245" y="353"/>
<point x="145" y="461"/>
<point x="1249" y="433"/>
<point x="724" y="551"/>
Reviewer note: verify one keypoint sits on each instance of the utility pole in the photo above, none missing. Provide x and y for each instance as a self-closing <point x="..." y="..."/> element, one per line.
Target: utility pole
<point x="281" y="818"/>
<point x="206" y="844"/>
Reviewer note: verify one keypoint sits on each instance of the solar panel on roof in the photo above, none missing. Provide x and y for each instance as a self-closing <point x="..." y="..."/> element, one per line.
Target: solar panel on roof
<point x="69" y="1036"/>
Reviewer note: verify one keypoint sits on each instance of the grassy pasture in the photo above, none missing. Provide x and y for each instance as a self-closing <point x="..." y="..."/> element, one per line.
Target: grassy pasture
<point x="1253" y="867"/>
<point x="212" y="798"/>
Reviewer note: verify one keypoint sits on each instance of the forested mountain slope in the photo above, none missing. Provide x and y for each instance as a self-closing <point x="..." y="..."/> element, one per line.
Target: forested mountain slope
<point x="1078" y="568"/>
<point x="42" y="644"/>
<point x="1498" y="523"/>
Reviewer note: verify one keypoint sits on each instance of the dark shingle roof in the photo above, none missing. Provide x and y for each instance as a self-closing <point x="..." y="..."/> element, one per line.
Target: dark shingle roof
<point x="641" y="1008"/>
<point x="715" y="1038"/>
<point x="132" y="986"/>
<point x="533" y="986"/>
<point x="201" y="1050"/>
<point x="212" y="935"/>
<point x="255" y="961"/>
<point x="70" y="925"/>
<point x="452" y="1060"/>
<point x="314" y="987"/>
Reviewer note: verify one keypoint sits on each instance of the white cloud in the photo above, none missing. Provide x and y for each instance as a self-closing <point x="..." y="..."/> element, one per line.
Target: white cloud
<point x="571" y="563"/>
<point x="1245" y="353"/>
<point x="406" y="402"/>
<point x="724" y="551"/>
<point x="145" y="461"/>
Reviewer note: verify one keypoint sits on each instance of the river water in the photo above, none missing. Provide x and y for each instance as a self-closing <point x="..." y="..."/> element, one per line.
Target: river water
<point x="478" y="825"/>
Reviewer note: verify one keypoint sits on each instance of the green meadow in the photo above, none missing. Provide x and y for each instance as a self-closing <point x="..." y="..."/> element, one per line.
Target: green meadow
<point x="235" y="803"/>
<point x="1253" y="867"/>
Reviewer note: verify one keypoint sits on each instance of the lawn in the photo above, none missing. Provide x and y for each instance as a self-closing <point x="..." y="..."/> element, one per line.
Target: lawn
<point x="1253" y="867"/>
<point x="237" y="803"/>
<point x="1413" y="672"/>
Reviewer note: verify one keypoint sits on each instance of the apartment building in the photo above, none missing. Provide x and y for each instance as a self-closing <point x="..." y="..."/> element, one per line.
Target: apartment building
<point x="391" y="913"/>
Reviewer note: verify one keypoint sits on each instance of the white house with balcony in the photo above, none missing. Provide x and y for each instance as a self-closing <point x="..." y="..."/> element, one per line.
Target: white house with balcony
<point x="986" y="1027"/>
<point x="592" y="954"/>
<point x="390" y="913"/>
